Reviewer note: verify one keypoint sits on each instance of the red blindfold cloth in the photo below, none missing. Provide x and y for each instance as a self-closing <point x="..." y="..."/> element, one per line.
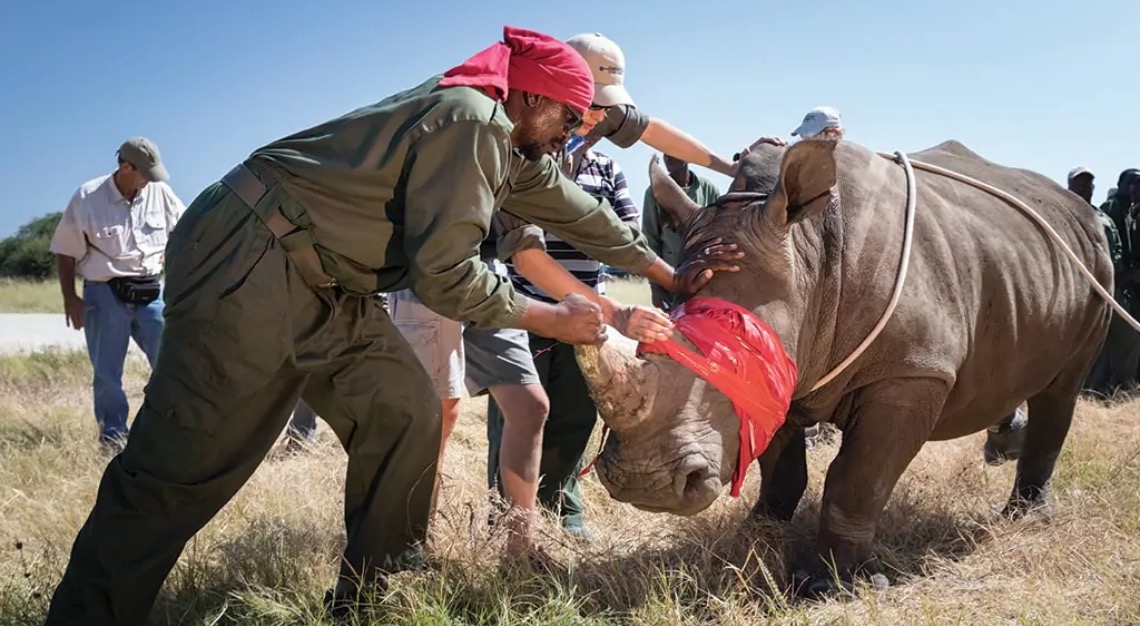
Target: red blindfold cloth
<point x="742" y="357"/>
<point x="527" y="60"/>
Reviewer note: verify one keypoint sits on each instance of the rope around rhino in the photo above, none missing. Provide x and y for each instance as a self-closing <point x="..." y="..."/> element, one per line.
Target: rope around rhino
<point x="904" y="263"/>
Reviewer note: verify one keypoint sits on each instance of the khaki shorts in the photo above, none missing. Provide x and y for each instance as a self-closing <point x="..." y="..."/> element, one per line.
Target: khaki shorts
<point x="457" y="355"/>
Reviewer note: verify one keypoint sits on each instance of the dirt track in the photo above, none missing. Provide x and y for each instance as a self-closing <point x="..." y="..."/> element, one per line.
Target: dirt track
<point x="29" y="332"/>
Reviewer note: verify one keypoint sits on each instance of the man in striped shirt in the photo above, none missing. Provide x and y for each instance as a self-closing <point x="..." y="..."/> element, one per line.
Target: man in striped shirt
<point x="570" y="422"/>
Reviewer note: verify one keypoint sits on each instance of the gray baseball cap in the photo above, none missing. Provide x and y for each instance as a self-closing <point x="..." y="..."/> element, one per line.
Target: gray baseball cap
<point x="143" y="154"/>
<point x="1077" y="171"/>
<point x="818" y="120"/>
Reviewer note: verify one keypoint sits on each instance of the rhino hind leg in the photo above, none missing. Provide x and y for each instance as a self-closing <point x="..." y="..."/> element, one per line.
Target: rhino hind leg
<point x="1005" y="439"/>
<point x="783" y="475"/>
<point x="891" y="422"/>
<point x="1045" y="434"/>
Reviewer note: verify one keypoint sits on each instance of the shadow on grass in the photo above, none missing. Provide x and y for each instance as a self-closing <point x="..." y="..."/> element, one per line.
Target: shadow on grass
<point x="707" y="564"/>
<point x="54" y="428"/>
<point x="267" y="572"/>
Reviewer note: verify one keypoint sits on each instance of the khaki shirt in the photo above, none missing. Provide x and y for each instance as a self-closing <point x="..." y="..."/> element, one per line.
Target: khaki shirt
<point x="110" y="236"/>
<point x="401" y="193"/>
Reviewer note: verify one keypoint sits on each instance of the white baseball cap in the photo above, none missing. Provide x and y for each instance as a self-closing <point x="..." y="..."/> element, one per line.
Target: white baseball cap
<point x="1077" y="171"/>
<point x="818" y="120"/>
<point x="607" y="62"/>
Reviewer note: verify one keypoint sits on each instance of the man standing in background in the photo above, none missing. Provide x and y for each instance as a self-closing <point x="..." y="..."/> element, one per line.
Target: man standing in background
<point x="658" y="226"/>
<point x="1123" y="344"/>
<point x="113" y="234"/>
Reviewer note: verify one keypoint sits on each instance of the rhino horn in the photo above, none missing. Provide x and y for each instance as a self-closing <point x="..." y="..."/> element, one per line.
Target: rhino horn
<point x="622" y="385"/>
<point x="669" y="195"/>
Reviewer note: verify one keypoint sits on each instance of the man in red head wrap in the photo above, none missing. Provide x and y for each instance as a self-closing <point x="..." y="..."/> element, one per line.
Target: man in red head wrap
<point x="498" y="361"/>
<point x="271" y="278"/>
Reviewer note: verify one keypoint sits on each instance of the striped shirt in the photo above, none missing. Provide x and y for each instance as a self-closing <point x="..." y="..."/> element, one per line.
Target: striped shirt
<point x="601" y="177"/>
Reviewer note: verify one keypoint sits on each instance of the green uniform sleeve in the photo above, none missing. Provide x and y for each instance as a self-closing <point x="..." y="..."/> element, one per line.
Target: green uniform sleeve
<point x="544" y="196"/>
<point x="1113" y="236"/>
<point x="449" y="202"/>
<point x="651" y="222"/>
<point x="711" y="192"/>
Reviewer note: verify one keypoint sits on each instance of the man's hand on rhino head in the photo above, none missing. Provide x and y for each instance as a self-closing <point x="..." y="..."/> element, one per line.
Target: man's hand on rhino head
<point x="696" y="272"/>
<point x="642" y="323"/>
<point x="775" y="141"/>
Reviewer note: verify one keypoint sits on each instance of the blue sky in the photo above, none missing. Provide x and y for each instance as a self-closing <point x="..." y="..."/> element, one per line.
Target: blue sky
<point x="1041" y="84"/>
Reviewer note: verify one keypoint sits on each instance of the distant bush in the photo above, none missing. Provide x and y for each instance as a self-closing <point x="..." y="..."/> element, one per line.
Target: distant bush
<point x="26" y="254"/>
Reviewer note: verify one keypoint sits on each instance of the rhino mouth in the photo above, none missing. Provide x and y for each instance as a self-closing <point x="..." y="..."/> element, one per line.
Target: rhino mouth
<point x="684" y="485"/>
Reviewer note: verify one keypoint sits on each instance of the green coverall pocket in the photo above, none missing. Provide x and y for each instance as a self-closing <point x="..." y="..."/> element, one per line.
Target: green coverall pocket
<point x="172" y="407"/>
<point x="248" y="338"/>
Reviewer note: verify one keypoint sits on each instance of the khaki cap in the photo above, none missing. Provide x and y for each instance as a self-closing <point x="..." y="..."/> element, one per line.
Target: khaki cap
<point x="607" y="63"/>
<point x="143" y="154"/>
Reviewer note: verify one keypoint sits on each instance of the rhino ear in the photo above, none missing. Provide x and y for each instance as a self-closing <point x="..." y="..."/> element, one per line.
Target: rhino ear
<point x="807" y="175"/>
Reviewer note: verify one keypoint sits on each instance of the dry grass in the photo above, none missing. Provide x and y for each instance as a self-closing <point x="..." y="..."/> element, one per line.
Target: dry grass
<point x="268" y="556"/>
<point x="24" y="296"/>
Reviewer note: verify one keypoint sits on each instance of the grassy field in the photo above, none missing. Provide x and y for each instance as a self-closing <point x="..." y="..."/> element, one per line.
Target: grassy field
<point x="267" y="558"/>
<point x="22" y="296"/>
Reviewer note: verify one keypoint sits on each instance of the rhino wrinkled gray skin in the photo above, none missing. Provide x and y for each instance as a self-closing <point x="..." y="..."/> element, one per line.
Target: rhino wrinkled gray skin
<point x="992" y="314"/>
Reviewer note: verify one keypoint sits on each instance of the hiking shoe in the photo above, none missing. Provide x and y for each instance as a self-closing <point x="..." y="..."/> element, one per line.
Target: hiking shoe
<point x="579" y="532"/>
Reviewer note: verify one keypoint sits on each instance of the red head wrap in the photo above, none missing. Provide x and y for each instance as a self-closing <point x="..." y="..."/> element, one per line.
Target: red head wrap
<point x="527" y="60"/>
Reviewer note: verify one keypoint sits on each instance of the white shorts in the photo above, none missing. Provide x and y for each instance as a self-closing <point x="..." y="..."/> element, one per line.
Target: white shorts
<point x="457" y="355"/>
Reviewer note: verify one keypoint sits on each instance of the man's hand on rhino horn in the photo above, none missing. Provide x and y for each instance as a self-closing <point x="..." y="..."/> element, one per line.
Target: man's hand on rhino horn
<point x="695" y="273"/>
<point x="578" y="321"/>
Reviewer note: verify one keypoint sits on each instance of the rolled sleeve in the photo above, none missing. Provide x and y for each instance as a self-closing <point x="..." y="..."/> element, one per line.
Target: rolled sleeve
<point x="546" y="197"/>
<point x="516" y="235"/>
<point x="448" y="208"/>
<point x="68" y="238"/>
<point x="623" y="126"/>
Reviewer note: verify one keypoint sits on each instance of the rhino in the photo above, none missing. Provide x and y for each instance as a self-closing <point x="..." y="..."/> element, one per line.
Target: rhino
<point x="992" y="315"/>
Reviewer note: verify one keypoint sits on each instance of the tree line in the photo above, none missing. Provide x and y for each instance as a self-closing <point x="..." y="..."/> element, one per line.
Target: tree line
<point x="26" y="254"/>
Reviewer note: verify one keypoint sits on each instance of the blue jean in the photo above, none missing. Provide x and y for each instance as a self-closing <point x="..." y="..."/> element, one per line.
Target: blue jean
<point x="109" y="326"/>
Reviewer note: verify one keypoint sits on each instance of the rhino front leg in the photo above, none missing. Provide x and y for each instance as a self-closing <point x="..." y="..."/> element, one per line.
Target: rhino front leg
<point x="891" y="421"/>
<point x="783" y="475"/>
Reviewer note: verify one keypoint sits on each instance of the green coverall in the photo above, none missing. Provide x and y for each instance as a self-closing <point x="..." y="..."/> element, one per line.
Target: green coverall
<point x="250" y="329"/>
<point x="1116" y="363"/>
<point x="1123" y="342"/>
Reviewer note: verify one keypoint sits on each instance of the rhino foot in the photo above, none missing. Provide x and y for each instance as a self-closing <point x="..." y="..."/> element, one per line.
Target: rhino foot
<point x="1032" y="501"/>
<point x="818" y="583"/>
<point x="770" y="509"/>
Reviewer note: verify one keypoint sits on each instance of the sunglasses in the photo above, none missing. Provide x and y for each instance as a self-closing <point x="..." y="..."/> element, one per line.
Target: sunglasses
<point x="574" y="121"/>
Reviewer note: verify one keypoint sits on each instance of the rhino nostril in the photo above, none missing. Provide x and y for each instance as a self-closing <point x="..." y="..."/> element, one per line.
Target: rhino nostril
<point x="694" y="481"/>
